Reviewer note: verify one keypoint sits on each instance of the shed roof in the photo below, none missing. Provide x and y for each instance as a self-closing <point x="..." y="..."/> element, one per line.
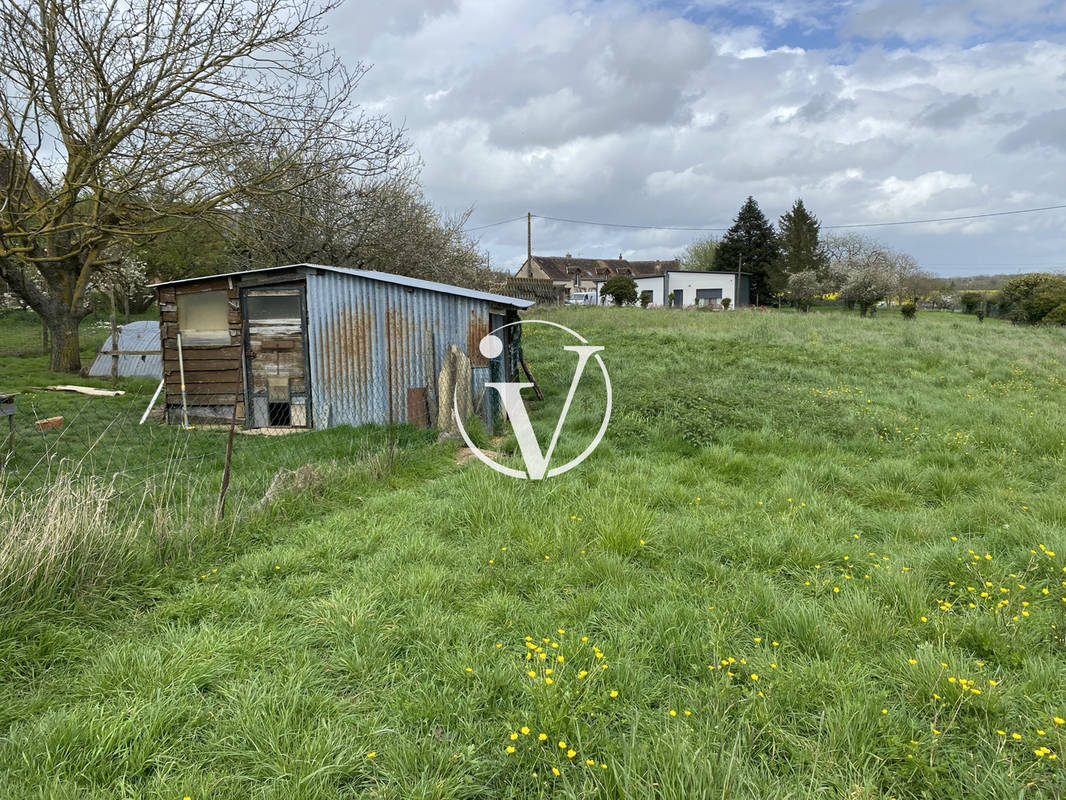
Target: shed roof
<point x="385" y="277"/>
<point x="138" y="352"/>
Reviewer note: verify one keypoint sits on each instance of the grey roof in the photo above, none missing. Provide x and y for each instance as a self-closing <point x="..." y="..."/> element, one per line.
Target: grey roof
<point x="138" y="352"/>
<point x="681" y="272"/>
<point x="386" y="277"/>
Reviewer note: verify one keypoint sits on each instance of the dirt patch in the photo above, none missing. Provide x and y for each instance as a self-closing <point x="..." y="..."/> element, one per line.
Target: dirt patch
<point x="464" y="454"/>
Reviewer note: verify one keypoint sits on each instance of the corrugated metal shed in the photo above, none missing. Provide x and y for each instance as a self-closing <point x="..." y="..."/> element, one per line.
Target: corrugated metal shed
<point x="139" y="355"/>
<point x="369" y="342"/>
<point x="375" y="342"/>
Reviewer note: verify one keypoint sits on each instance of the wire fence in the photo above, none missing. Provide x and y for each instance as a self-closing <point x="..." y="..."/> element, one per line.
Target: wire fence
<point x="196" y="417"/>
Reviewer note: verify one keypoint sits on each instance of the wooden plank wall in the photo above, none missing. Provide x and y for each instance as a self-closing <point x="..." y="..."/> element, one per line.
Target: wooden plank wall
<point x="212" y="374"/>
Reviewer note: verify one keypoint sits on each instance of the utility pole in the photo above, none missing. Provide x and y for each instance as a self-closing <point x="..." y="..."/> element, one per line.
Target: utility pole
<point x="529" y="242"/>
<point x="736" y="289"/>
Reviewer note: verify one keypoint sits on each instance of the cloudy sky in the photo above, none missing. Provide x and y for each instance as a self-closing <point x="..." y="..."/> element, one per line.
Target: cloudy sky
<point x="672" y="113"/>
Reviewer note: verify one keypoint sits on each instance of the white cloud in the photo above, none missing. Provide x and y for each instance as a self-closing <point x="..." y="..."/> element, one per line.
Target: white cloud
<point x="622" y="113"/>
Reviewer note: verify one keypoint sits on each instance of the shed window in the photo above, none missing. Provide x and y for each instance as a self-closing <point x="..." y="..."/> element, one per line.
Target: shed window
<point x="280" y="306"/>
<point x="203" y="318"/>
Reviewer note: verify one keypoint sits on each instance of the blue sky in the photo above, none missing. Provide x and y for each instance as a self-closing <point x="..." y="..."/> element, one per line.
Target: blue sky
<point x="673" y="113"/>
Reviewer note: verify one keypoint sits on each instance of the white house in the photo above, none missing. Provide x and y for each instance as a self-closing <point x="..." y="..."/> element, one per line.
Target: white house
<point x="685" y="288"/>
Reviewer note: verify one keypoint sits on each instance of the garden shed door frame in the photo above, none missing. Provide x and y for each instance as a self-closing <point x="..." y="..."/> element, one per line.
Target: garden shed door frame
<point x="248" y="358"/>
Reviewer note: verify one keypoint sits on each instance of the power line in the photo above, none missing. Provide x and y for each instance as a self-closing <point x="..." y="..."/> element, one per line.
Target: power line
<point x="1052" y="264"/>
<point x="623" y="225"/>
<point x="824" y="227"/>
<point x="946" y="219"/>
<point x="494" y="224"/>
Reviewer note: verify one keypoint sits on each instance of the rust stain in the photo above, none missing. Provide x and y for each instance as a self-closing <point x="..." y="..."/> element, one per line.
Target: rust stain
<point x="395" y="373"/>
<point x="476" y="330"/>
<point x="343" y="357"/>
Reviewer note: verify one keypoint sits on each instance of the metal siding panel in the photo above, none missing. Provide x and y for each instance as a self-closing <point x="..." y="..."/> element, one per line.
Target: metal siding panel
<point x="139" y="336"/>
<point x="358" y="327"/>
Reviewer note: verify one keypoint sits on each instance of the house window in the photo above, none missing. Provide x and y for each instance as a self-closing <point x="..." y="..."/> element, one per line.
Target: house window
<point x="203" y="318"/>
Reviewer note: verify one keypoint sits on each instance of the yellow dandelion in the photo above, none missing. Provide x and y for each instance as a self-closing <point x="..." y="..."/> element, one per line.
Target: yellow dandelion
<point x="582" y="674"/>
<point x="549" y="681"/>
<point x="562" y="745"/>
<point x="514" y="735"/>
<point x="371" y="754"/>
<point x="571" y="753"/>
<point x="1058" y="720"/>
<point x="614" y="693"/>
<point x="542" y="736"/>
<point x="555" y="771"/>
<point x="754" y="676"/>
<point x="510" y="748"/>
<point x="1016" y="736"/>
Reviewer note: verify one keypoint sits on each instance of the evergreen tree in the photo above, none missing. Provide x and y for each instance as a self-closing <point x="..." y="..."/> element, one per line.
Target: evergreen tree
<point x="751" y="246"/>
<point x="801" y="250"/>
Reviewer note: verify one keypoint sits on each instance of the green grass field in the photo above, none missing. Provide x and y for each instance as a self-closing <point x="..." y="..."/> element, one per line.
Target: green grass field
<point x="815" y="556"/>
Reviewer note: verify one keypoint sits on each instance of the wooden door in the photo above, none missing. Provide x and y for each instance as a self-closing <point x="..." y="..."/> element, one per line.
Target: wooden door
<point x="276" y="358"/>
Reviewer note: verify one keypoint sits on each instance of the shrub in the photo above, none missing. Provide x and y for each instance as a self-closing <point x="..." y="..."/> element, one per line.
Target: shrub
<point x="1057" y="316"/>
<point x="645" y="299"/>
<point x="1029" y="298"/>
<point x="622" y="289"/>
<point x="980" y="315"/>
<point x="726" y="303"/>
<point x="970" y="301"/>
<point x="908" y="310"/>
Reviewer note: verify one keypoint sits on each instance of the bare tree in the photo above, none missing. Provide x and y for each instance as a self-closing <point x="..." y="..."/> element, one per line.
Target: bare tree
<point x="119" y="117"/>
<point x="385" y="224"/>
<point x="866" y="272"/>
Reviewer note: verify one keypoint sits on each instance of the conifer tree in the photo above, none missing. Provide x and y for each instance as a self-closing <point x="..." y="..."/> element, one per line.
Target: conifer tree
<point x="801" y="248"/>
<point x="751" y="246"/>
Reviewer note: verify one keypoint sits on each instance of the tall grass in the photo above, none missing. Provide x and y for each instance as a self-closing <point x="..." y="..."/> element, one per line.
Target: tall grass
<point x="85" y="532"/>
<point x="838" y="543"/>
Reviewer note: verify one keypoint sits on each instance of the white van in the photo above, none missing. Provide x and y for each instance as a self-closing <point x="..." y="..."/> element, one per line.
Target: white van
<point x="582" y="299"/>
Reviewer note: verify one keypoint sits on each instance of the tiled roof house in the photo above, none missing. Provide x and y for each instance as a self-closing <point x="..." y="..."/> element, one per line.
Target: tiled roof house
<point x="581" y="274"/>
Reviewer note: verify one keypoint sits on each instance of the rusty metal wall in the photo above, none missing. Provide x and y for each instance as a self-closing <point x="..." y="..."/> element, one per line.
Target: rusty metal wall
<point x="368" y="343"/>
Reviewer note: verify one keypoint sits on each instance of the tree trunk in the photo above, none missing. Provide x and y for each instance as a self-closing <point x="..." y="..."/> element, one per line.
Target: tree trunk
<point x="66" y="350"/>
